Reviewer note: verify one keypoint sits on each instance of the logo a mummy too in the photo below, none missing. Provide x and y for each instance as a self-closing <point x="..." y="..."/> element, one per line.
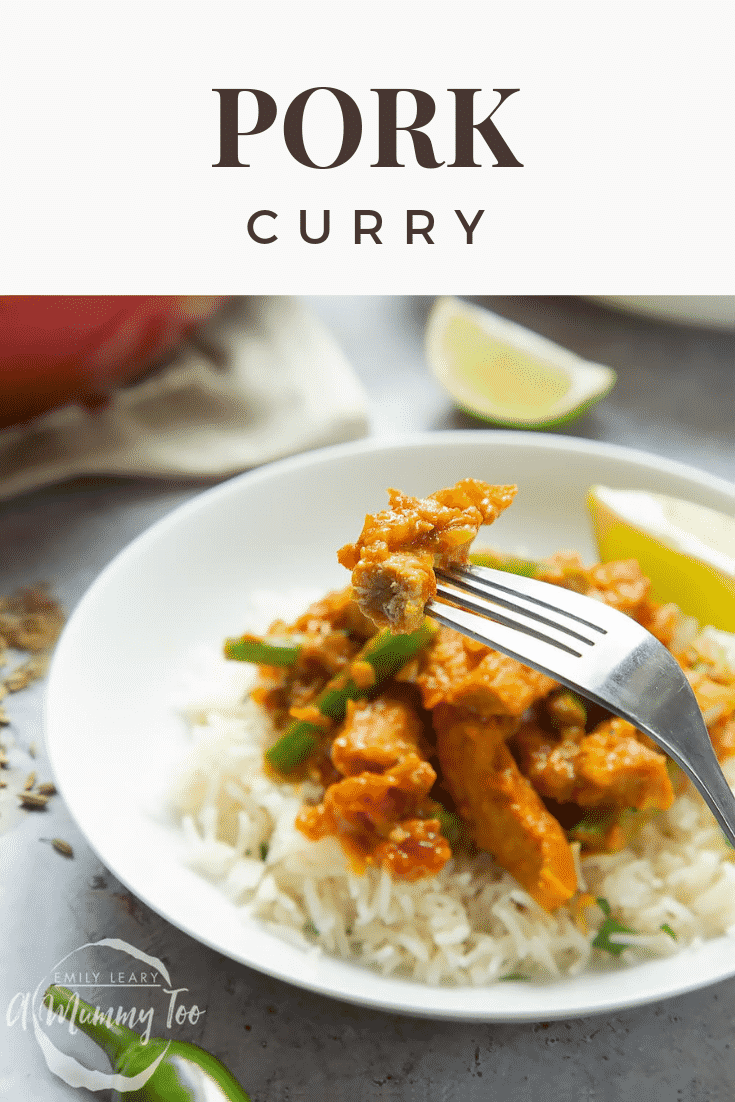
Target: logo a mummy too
<point x="25" y="1006"/>
<point x="465" y="127"/>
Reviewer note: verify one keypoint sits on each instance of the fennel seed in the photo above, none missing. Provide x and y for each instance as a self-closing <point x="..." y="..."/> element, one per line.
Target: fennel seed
<point x="62" y="847"/>
<point x="33" y="800"/>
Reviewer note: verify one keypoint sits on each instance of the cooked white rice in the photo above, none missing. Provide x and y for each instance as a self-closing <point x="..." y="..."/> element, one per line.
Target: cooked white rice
<point x="470" y="924"/>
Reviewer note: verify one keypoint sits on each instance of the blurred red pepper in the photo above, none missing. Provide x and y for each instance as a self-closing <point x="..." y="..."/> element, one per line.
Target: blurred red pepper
<point x="56" y="349"/>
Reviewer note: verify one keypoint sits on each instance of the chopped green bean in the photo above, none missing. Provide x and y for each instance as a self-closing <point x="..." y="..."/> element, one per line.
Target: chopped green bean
<point x="264" y="651"/>
<point x="386" y="653"/>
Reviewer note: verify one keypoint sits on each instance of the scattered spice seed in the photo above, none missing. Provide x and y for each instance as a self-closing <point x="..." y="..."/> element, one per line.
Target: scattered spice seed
<point x="48" y="788"/>
<point x="20" y="678"/>
<point x="30" y="619"/>
<point x="33" y="800"/>
<point x="62" y="847"/>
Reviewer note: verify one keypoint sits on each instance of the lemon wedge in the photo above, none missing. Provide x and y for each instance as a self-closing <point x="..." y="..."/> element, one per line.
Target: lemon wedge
<point x="506" y="374"/>
<point x="687" y="550"/>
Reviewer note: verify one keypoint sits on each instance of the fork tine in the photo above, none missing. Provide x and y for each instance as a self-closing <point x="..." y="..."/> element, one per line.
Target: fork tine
<point x="531" y="647"/>
<point x="527" y="594"/>
<point x="525" y="619"/>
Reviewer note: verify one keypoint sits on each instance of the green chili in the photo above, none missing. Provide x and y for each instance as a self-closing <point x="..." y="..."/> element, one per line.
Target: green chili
<point x="264" y="651"/>
<point x="386" y="653"/>
<point x="186" y="1073"/>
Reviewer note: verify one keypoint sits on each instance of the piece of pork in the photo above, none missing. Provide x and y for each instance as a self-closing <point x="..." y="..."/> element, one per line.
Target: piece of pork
<point x="393" y="561"/>
<point x="610" y="767"/>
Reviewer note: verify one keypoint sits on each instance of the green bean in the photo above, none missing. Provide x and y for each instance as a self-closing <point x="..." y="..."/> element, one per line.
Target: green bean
<point x="266" y="652"/>
<point x="386" y="653"/>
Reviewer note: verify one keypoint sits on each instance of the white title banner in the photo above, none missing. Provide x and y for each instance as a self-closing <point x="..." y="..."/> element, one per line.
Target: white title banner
<point x="565" y="147"/>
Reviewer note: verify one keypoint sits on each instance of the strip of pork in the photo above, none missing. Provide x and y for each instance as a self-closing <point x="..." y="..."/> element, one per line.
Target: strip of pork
<point x="506" y="816"/>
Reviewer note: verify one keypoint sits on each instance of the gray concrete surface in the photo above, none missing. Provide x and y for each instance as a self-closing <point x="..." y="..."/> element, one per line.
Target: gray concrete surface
<point x="674" y="397"/>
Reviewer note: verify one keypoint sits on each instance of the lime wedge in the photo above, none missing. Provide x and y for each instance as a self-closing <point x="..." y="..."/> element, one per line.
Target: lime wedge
<point x="687" y="550"/>
<point x="506" y="374"/>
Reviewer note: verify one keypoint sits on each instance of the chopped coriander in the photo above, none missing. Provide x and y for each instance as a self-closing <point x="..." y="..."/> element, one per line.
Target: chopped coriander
<point x="513" y="976"/>
<point x="309" y="929"/>
<point x="452" y="826"/>
<point x="263" y="850"/>
<point x="610" y="926"/>
<point x="593" y="826"/>
<point x="667" y="930"/>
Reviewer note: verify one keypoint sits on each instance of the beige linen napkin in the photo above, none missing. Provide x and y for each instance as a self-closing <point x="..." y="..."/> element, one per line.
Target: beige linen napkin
<point x="261" y="380"/>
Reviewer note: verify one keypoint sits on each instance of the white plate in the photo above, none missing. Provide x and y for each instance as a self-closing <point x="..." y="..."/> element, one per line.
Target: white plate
<point x="114" y="737"/>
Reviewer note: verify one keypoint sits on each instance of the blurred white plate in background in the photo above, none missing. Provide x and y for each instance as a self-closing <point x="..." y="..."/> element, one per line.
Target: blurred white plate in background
<point x="712" y="311"/>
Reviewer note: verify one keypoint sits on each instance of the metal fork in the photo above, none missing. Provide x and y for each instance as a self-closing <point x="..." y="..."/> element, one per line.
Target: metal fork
<point x="595" y="650"/>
